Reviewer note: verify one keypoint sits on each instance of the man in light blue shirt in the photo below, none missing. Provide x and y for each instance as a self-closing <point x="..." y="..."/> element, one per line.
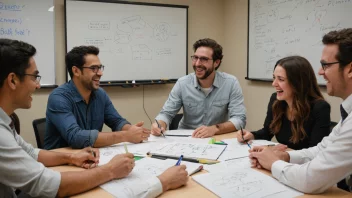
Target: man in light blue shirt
<point x="212" y="101"/>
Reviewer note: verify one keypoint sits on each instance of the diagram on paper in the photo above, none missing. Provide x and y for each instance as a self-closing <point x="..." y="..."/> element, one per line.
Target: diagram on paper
<point x="207" y="151"/>
<point x="238" y="183"/>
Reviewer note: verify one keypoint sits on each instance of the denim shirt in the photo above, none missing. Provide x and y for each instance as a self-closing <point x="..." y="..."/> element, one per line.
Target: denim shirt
<point x="223" y="103"/>
<point x="72" y="122"/>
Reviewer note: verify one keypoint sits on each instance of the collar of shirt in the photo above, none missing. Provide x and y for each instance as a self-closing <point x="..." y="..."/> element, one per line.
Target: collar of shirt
<point x="347" y="104"/>
<point x="76" y="95"/>
<point x="216" y="83"/>
<point x="5" y="118"/>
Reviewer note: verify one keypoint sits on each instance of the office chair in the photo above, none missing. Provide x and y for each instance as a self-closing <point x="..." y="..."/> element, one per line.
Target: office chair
<point x="16" y="122"/>
<point x="39" y="130"/>
<point x="332" y="125"/>
<point x="175" y="121"/>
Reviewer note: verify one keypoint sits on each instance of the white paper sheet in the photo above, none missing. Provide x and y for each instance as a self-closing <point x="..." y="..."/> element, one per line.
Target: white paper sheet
<point x="190" y="150"/>
<point x="237" y="150"/>
<point x="107" y="153"/>
<point x="168" y="139"/>
<point x="242" y="183"/>
<point x="136" y="182"/>
<point x="178" y="132"/>
<point x="234" y="150"/>
<point x="229" y="165"/>
<point x="263" y="143"/>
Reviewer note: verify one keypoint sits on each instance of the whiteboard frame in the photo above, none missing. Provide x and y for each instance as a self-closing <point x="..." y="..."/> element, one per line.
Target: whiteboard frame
<point x="132" y="82"/>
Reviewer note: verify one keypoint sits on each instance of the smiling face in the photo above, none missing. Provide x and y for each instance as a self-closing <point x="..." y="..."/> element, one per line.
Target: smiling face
<point x="203" y="69"/>
<point x="335" y="83"/>
<point x="26" y="87"/>
<point x="89" y="79"/>
<point x="283" y="88"/>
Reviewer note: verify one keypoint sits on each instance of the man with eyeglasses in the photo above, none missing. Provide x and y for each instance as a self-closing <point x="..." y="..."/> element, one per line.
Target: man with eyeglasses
<point x="316" y="169"/>
<point x="77" y="110"/>
<point x="212" y="101"/>
<point x="23" y="167"/>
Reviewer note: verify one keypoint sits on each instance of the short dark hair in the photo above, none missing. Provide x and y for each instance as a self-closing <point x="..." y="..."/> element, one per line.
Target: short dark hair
<point x="76" y="57"/>
<point x="342" y="38"/>
<point x="14" y="58"/>
<point x="207" y="42"/>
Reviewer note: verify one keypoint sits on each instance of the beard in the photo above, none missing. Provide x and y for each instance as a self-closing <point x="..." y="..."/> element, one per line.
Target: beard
<point x="207" y="71"/>
<point x="90" y="85"/>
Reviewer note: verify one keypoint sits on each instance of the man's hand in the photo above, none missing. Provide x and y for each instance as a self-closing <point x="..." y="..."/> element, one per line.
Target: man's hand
<point x="205" y="131"/>
<point x="85" y="158"/>
<point x="247" y="136"/>
<point x="279" y="147"/>
<point x="155" y="130"/>
<point x="174" y="177"/>
<point x="121" y="165"/>
<point x="279" y="151"/>
<point x="264" y="157"/>
<point x="136" y="133"/>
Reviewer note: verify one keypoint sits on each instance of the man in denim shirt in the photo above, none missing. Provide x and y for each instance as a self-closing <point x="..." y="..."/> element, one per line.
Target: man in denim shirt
<point x="78" y="109"/>
<point x="212" y="101"/>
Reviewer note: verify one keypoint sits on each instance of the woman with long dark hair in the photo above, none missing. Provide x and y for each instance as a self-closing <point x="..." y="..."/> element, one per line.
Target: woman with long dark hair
<point x="297" y="115"/>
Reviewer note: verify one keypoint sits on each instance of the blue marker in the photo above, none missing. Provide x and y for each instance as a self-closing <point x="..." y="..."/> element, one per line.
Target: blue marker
<point x="179" y="161"/>
<point x="245" y="140"/>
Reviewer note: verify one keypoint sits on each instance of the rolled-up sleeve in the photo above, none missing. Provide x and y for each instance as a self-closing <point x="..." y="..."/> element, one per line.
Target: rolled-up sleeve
<point x="172" y="105"/>
<point x="60" y="113"/>
<point x="237" y="110"/>
<point x="19" y="168"/>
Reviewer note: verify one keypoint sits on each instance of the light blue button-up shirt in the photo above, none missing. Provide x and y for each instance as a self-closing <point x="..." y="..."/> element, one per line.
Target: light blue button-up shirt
<point x="223" y="103"/>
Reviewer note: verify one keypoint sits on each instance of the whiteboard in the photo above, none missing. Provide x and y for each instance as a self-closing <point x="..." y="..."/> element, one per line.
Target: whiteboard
<point x="280" y="28"/>
<point x="136" y="41"/>
<point x="32" y="22"/>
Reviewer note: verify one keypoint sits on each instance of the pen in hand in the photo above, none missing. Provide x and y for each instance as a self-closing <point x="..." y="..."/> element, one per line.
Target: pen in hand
<point x="245" y="140"/>
<point x="179" y="161"/>
<point x="159" y="127"/>
<point x="126" y="150"/>
<point x="197" y="170"/>
<point x="93" y="153"/>
<point x="91" y="150"/>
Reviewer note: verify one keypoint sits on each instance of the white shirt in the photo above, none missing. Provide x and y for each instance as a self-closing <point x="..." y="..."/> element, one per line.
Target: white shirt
<point x="316" y="169"/>
<point x="19" y="167"/>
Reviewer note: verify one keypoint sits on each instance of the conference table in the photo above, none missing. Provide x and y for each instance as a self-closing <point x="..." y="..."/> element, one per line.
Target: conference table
<point x="192" y="189"/>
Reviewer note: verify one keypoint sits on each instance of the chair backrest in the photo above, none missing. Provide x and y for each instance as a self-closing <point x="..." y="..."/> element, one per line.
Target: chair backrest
<point x="175" y="121"/>
<point x="39" y="130"/>
<point x="332" y="125"/>
<point x="16" y="122"/>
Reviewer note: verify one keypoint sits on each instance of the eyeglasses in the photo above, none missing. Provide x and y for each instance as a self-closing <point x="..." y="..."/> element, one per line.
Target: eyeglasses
<point x="95" y="68"/>
<point x="37" y="77"/>
<point x="326" y="65"/>
<point x="202" y="59"/>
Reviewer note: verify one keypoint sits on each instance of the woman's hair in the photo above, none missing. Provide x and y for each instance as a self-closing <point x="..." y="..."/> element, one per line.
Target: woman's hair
<point x="305" y="92"/>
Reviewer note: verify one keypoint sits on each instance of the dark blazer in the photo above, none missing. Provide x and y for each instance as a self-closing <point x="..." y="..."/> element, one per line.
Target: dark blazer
<point x="317" y="126"/>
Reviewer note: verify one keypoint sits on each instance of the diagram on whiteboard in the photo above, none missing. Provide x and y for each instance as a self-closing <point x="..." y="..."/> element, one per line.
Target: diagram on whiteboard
<point x="141" y="52"/>
<point x="131" y="30"/>
<point x="150" y="39"/>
